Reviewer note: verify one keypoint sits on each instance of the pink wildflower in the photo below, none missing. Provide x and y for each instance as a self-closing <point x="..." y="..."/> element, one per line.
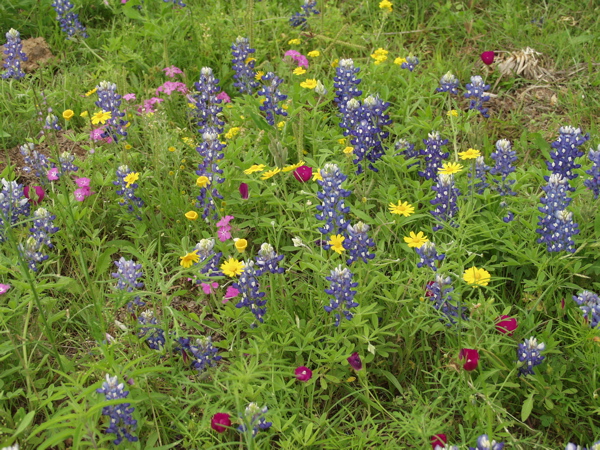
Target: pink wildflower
<point x="471" y="358"/>
<point x="4" y="288"/>
<point x="209" y="288"/>
<point x="303" y="173"/>
<point x="244" y="191"/>
<point x="488" y="57"/>
<point x="224" y="97"/>
<point x="36" y="196"/>
<point x="82" y="193"/>
<point x="148" y="106"/>
<point x="53" y="174"/>
<point x="220" y="422"/>
<point x="300" y="59"/>
<point x="231" y="293"/>
<point x="224" y="221"/>
<point x="169" y="87"/>
<point x="224" y="234"/>
<point x="129" y="97"/>
<point x="355" y="361"/>
<point x="172" y="71"/>
<point x="82" y="182"/>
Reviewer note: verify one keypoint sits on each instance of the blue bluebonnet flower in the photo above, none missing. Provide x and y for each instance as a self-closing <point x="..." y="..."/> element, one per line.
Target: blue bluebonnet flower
<point x="504" y="157"/>
<point x="122" y="423"/>
<point x="249" y="289"/>
<point x="243" y="66"/>
<point x="39" y="239"/>
<point x="410" y="63"/>
<point x="446" y="447"/>
<point x="566" y="151"/>
<point x="253" y="418"/>
<point x="205" y="250"/>
<point x="127" y="275"/>
<point x="13" y="204"/>
<point x="529" y="355"/>
<point x="207" y="104"/>
<point x="593" y="183"/>
<point x="175" y="2"/>
<point x="67" y="19"/>
<point x="445" y="199"/>
<point x="211" y="151"/>
<point x="65" y="164"/>
<point x="406" y="149"/>
<point x="589" y="303"/>
<point x="341" y="290"/>
<point x="51" y="123"/>
<point x="268" y="261"/>
<point x="150" y="331"/>
<point x="203" y="354"/>
<point x="127" y="190"/>
<point x="332" y="210"/>
<point x="434" y="155"/>
<point x="13" y="49"/>
<point x="110" y="101"/>
<point x="345" y="82"/>
<point x="309" y="7"/>
<point x="273" y="96"/>
<point x="449" y="83"/>
<point x="372" y="122"/>
<point x="358" y="243"/>
<point x="481" y="170"/>
<point x="439" y="292"/>
<point x="35" y="161"/>
<point x="556" y="226"/>
<point x="476" y="92"/>
<point x="429" y="255"/>
<point x="484" y="443"/>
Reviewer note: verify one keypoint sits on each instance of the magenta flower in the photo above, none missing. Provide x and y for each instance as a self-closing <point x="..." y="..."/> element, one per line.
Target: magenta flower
<point x="303" y="373"/>
<point x="355" y="361"/>
<point x="209" y="288"/>
<point x="129" y="97"/>
<point x="224" y="222"/>
<point x="220" y="422"/>
<point x="148" y="106"/>
<point x="172" y="71"/>
<point x="224" y="234"/>
<point x="82" y="182"/>
<point x="36" y="196"/>
<point x="224" y="97"/>
<point x="4" y="288"/>
<point x="438" y="440"/>
<point x="488" y="57"/>
<point x="169" y="87"/>
<point x="244" y="191"/>
<point x="303" y="173"/>
<point x="53" y="174"/>
<point x="300" y="59"/>
<point x="82" y="193"/>
<point x="471" y="358"/>
<point x="230" y="293"/>
<point x="506" y="325"/>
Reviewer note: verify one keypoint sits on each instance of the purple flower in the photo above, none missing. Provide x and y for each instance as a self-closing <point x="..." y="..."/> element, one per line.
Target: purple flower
<point x="476" y="91"/>
<point x="355" y="361"/>
<point x="411" y="63"/>
<point x="121" y="422"/>
<point x="203" y="353"/>
<point x="439" y="293"/>
<point x="332" y="210"/>
<point x="68" y="20"/>
<point x="589" y="303"/>
<point x="483" y="443"/>
<point x="252" y="297"/>
<point x="244" y="191"/>
<point x="358" y="243"/>
<point x="449" y="83"/>
<point x="253" y="418"/>
<point x="566" y="151"/>
<point x="14" y="55"/>
<point x="303" y="373"/>
<point x="340" y="289"/>
<point x="593" y="183"/>
<point x="129" y="97"/>
<point x="150" y="331"/>
<point x="273" y="96"/>
<point x="210" y="151"/>
<point x="110" y="101"/>
<point x="345" y="82"/>
<point x="4" y="288"/>
<point x="35" y="161"/>
<point x="445" y="201"/>
<point x="429" y="255"/>
<point x="243" y="66"/>
<point x="529" y="355"/>
<point x="434" y="155"/>
<point x="268" y="261"/>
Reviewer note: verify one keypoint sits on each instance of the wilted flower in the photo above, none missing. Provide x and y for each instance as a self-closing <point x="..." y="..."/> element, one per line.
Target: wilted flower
<point x="355" y="361"/>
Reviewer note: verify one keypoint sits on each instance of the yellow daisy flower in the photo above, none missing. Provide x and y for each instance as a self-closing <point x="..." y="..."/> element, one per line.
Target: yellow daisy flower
<point x="93" y="91"/>
<point x="477" y="277"/>
<point x="415" y="240"/>
<point x="299" y="71"/>
<point x="314" y="54"/>
<point x="101" y="117"/>
<point x="386" y="5"/>
<point x="309" y="83"/>
<point x="259" y="75"/>
<point x="317" y="175"/>
<point x="452" y="113"/>
<point x="270" y="173"/>
<point x="399" y="61"/>
<point x="450" y="168"/>
<point x="292" y="167"/>
<point x="294" y="42"/>
<point x="348" y="150"/>
<point x="188" y="260"/>
<point x="232" y="267"/>
<point x="255" y="168"/>
<point x="131" y="178"/>
<point x="402" y="208"/>
<point x="470" y="154"/>
<point x="336" y="243"/>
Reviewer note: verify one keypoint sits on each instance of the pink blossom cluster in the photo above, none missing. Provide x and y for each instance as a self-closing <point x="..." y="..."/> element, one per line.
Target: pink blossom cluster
<point x="300" y="59"/>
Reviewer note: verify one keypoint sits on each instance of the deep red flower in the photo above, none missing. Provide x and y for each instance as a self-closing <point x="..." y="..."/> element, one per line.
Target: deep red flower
<point x="488" y="57"/>
<point x="244" y="191"/>
<point x="438" y="440"/>
<point x="303" y="173"/>
<point x="428" y="291"/>
<point x="37" y="196"/>
<point x="471" y="358"/>
<point x="303" y="373"/>
<point x="219" y="422"/>
<point x="355" y="361"/>
<point x="506" y="325"/>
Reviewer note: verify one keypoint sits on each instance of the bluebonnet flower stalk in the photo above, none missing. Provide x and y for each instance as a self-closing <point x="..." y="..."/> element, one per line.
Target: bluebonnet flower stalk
<point x="446" y="200"/>
<point x="254" y="419"/>
<point x="39" y="239"/>
<point x="410" y="63"/>
<point x="476" y="92"/>
<point x="358" y="243"/>
<point x="243" y="66"/>
<point x="484" y="443"/>
<point x="270" y="90"/>
<point x="309" y="7"/>
<point x="449" y="83"/>
<point x="13" y="205"/>
<point x="406" y="149"/>
<point x="65" y="164"/>
<point x="127" y="275"/>
<point x="35" y="161"/>
<point x="529" y="355"/>
<point x="150" y="331"/>
<point x="345" y="82"/>
<point x="341" y="290"/>
<point x="249" y="289"/>
<point x="127" y="190"/>
<point x="481" y="170"/>
<point x="593" y="183"/>
<point x="268" y="261"/>
<point x="571" y="446"/>
<point x="205" y="250"/>
<point x="67" y="19"/>
<point x="434" y="155"/>
<point x="566" y="151"/>
<point x="439" y="292"/>
<point x="429" y="255"/>
<point x="446" y="447"/>
<point x="121" y="423"/>
<point x="504" y="157"/>
<point x="589" y="303"/>
<point x="13" y="49"/>
<point x="110" y="101"/>
<point x="51" y="123"/>
<point x="332" y="210"/>
<point x="175" y="2"/>
<point x="207" y="104"/>
<point x="556" y="225"/>
<point x="202" y="352"/>
<point x="211" y="151"/>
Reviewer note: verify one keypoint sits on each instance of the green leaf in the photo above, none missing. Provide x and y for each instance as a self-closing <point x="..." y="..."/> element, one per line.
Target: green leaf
<point x="527" y="407"/>
<point x="25" y="423"/>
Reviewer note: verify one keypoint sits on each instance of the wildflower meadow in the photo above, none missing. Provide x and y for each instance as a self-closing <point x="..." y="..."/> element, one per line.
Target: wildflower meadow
<point x="321" y="224"/>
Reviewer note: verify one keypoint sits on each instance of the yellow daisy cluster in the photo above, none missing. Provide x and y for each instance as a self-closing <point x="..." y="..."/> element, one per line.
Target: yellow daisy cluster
<point x="294" y="42"/>
<point x="399" y="61"/>
<point x="386" y="5"/>
<point x="379" y="55"/>
<point x="232" y="133"/>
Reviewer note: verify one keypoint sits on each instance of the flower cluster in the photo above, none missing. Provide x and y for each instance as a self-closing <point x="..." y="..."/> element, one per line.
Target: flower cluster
<point x="207" y="104"/>
<point x="67" y="19"/>
<point x="566" y="151"/>
<point x="358" y="243"/>
<point x="249" y="288"/>
<point x="345" y="82"/>
<point x="13" y="204"/>
<point x="126" y="182"/>
<point x="571" y="446"/>
<point x="529" y="355"/>
<point x="341" y="290"/>
<point x="127" y="275"/>
<point x="449" y="83"/>
<point x="434" y="155"/>
<point x="268" y="261"/>
<point x="65" y="164"/>
<point x="270" y="90"/>
<point x="13" y="49"/>
<point x="481" y="172"/>
<point x="476" y="92"/>
<point x="109" y="101"/>
<point x="406" y="149"/>
<point x="175" y="3"/>
<point x="594" y="182"/>
<point x="438" y="292"/>
<point x="309" y="7"/>
<point x="556" y="225"/>
<point x="35" y="161"/>
<point x="410" y="63"/>
<point x="206" y="253"/>
<point x="243" y="66"/>
<point x="484" y="443"/>
<point x="121" y="423"/>
<point x="203" y="354"/>
<point x="429" y="255"/>
<point x="209" y="173"/>
<point x="154" y="335"/>
<point x="589" y="303"/>
<point x="332" y="210"/>
<point x="446" y="200"/>
<point x="51" y="123"/>
<point x="253" y="418"/>
<point x="33" y="249"/>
